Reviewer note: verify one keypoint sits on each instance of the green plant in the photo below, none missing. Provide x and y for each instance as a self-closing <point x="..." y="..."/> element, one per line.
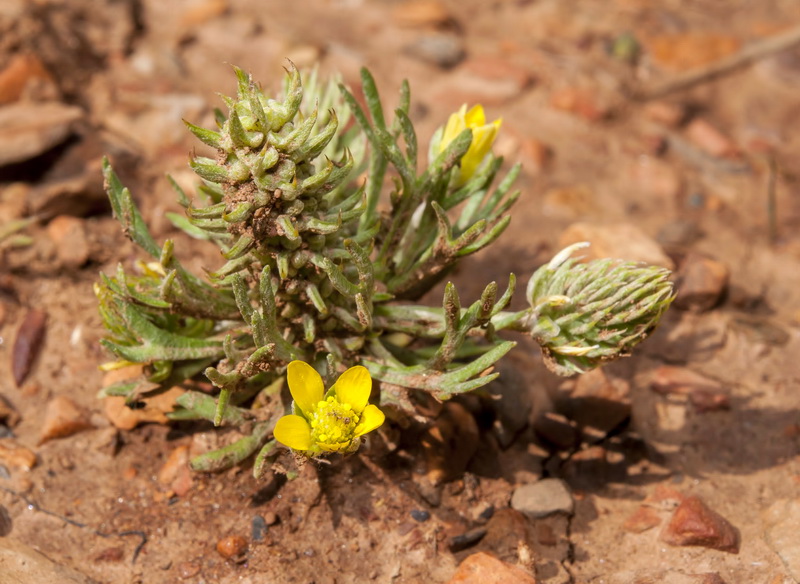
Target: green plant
<point x="317" y="270"/>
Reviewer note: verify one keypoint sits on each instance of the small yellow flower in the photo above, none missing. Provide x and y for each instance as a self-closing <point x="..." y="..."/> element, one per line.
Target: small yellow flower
<point x="330" y="422"/>
<point x="483" y="136"/>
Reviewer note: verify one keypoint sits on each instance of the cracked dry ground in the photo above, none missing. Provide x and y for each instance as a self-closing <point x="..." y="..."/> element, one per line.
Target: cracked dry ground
<point x="677" y="465"/>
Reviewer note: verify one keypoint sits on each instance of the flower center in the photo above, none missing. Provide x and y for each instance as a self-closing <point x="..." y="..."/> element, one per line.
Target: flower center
<point x="333" y="422"/>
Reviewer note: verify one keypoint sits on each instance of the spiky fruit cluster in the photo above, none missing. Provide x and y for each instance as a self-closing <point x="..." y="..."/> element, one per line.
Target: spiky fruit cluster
<point x="280" y="215"/>
<point x="584" y="314"/>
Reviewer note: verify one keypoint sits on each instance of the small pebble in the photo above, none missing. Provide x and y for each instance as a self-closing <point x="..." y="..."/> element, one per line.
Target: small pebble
<point x="465" y="540"/>
<point x="701" y="282"/>
<point x="483" y="568"/>
<point x="70" y="239"/>
<point x="259" y="528"/>
<point x="641" y="520"/>
<point x="62" y="418"/>
<point x="232" y="548"/>
<point x="486" y="514"/>
<point x="440" y="49"/>
<point x="188" y="570"/>
<point x="543" y="498"/>
<point x="694" y="524"/>
<point x="112" y="554"/>
<point x="709" y="139"/>
<point x="420" y="515"/>
<point x="176" y="472"/>
<point x="421" y="13"/>
<point x="666" y="113"/>
<point x="271" y="518"/>
<point x="15" y="456"/>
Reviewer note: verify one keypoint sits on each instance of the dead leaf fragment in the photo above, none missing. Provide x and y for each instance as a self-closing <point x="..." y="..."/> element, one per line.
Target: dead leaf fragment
<point x="27" y="344"/>
<point x="154" y="409"/>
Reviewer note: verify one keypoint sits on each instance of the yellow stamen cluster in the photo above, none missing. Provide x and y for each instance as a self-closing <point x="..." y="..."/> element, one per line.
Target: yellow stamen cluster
<point x="333" y="423"/>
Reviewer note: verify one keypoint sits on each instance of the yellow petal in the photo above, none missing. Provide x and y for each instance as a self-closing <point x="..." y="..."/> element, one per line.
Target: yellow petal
<point x="475" y="117"/>
<point x="455" y="125"/>
<point x="294" y="432"/>
<point x="371" y="418"/>
<point x="305" y="385"/>
<point x="353" y="387"/>
<point x="482" y="139"/>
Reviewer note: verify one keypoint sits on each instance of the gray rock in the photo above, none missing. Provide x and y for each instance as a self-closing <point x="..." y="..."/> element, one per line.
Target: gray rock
<point x="442" y="50"/>
<point x="543" y="498"/>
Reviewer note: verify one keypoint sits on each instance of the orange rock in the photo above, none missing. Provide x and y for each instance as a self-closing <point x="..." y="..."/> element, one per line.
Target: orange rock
<point x="581" y="102"/>
<point x="202" y="11"/>
<point x="709" y="139"/>
<point x="421" y="13"/>
<point x="62" y="418"/>
<point x="694" y="524"/>
<point x="232" y="547"/>
<point x="493" y="68"/>
<point x="701" y="282"/>
<point x="665" y="112"/>
<point x="536" y="154"/>
<point x="176" y="472"/>
<point x="683" y="51"/>
<point x="24" y="74"/>
<point x="69" y="235"/>
<point x="481" y="568"/>
<point x="655" y="179"/>
<point x="641" y="520"/>
<point x="16" y="456"/>
<point x="571" y="201"/>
